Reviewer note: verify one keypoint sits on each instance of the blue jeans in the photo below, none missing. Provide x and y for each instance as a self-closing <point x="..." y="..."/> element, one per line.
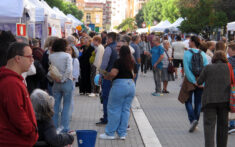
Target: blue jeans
<point x="120" y="99"/>
<point x="194" y="113"/>
<point x="72" y="101"/>
<point x="106" y="86"/>
<point x="232" y="123"/>
<point x="64" y="90"/>
<point x="138" y="67"/>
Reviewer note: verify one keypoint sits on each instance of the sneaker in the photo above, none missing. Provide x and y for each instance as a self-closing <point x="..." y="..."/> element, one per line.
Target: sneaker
<point x="165" y="91"/>
<point x="122" y="138"/>
<point x="157" y="94"/>
<point x="128" y="128"/>
<point x="193" y="126"/>
<point x="92" y="95"/>
<point x="104" y="136"/>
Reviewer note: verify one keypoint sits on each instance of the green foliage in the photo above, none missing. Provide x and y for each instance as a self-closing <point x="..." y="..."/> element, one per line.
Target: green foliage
<point x="66" y="7"/>
<point x="139" y="18"/>
<point x="128" y="24"/>
<point x="202" y="17"/>
<point x="160" y="10"/>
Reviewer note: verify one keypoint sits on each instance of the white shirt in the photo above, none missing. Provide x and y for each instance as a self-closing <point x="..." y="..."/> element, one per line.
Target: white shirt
<point x="178" y="48"/>
<point x="186" y="42"/>
<point x="76" y="69"/>
<point x="165" y="60"/>
<point x="98" y="56"/>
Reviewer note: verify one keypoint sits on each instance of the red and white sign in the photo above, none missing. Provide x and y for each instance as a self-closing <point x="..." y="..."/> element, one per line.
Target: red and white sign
<point x="20" y="29"/>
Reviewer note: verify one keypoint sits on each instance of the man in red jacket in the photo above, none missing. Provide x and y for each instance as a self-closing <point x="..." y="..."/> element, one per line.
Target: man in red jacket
<point x="18" y="125"/>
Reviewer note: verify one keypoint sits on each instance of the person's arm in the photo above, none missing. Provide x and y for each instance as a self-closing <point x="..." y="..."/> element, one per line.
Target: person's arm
<point x="205" y="61"/>
<point x="190" y="76"/>
<point x="158" y="61"/>
<point x="68" y="69"/>
<point x="112" y="74"/>
<point x="15" y="108"/>
<point x="54" y="139"/>
<point x="76" y="71"/>
<point x="106" y="58"/>
<point x="202" y="77"/>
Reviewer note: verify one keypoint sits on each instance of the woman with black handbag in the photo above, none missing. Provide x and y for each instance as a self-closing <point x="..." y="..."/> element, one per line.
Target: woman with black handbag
<point x="167" y="69"/>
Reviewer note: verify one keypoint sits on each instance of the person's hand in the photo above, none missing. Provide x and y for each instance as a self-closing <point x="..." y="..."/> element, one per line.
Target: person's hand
<point x="155" y="65"/>
<point x="58" y="80"/>
<point x="200" y="86"/>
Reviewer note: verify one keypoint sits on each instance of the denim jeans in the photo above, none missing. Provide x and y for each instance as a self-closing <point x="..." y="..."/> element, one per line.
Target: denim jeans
<point x="120" y="99"/>
<point x="138" y="67"/>
<point x="106" y="86"/>
<point x="64" y="90"/>
<point x="157" y="79"/>
<point x="194" y="113"/>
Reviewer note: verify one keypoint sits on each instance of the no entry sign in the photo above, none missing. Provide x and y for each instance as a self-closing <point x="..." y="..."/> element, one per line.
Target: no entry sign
<point x="20" y="29"/>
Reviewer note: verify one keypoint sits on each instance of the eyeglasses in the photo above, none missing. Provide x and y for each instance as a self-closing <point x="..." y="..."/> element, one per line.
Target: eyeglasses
<point x="29" y="56"/>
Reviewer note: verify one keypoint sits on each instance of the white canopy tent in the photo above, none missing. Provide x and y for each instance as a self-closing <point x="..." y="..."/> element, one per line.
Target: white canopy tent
<point x="161" y="26"/>
<point x="76" y="22"/>
<point x="176" y="24"/>
<point x="142" y="30"/>
<point x="231" y="26"/>
<point x="11" y="11"/>
<point x="39" y="10"/>
<point x="49" y="11"/>
<point x="63" y="18"/>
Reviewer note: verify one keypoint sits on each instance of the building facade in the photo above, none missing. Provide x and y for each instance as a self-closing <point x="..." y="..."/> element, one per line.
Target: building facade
<point x="93" y="14"/>
<point x="80" y="4"/>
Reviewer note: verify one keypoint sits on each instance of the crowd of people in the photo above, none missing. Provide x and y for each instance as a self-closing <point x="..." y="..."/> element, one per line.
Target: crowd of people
<point x="35" y="80"/>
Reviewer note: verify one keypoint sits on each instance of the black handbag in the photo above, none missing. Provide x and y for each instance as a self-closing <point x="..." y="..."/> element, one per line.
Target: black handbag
<point x="170" y="67"/>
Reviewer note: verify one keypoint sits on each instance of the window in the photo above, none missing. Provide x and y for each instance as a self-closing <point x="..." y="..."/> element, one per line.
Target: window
<point x="88" y="17"/>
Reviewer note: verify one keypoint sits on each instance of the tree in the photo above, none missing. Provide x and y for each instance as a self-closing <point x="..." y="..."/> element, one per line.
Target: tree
<point x="128" y="24"/>
<point x="66" y="7"/>
<point x="201" y="17"/>
<point x="157" y="10"/>
<point x="139" y="18"/>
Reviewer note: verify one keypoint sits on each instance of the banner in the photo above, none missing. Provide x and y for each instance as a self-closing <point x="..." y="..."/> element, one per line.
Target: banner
<point x="68" y="29"/>
<point x="55" y="27"/>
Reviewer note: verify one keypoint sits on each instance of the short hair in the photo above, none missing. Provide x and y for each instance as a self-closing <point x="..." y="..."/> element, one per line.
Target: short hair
<point x="16" y="48"/>
<point x="59" y="45"/>
<point x="97" y="38"/>
<point x="43" y="104"/>
<point x="135" y="37"/>
<point x="24" y="39"/>
<point x="165" y="42"/>
<point x="92" y="34"/>
<point x="178" y="38"/>
<point x="196" y="41"/>
<point x="126" y="38"/>
<point x="34" y="42"/>
<point x="219" y="56"/>
<point x="104" y="32"/>
<point x="220" y="46"/>
<point x="49" y="41"/>
<point x="232" y="46"/>
<point x="112" y="35"/>
<point x="156" y="38"/>
<point x="203" y="46"/>
<point x="70" y="39"/>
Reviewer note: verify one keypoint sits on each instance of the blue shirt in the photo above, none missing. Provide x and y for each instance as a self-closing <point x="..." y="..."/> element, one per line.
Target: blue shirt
<point x="137" y="51"/>
<point x="188" y="65"/>
<point x="156" y="52"/>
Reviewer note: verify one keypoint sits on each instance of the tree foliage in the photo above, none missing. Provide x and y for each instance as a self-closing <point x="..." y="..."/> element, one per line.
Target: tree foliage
<point x="157" y="10"/>
<point x="66" y="7"/>
<point x="128" y="24"/>
<point x="139" y="18"/>
<point x="201" y="17"/>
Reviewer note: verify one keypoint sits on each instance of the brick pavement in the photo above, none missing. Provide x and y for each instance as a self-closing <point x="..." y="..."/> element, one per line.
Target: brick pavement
<point x="168" y="117"/>
<point x="88" y="111"/>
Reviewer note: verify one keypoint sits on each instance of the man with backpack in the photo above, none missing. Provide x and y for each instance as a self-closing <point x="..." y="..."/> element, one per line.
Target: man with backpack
<point x="194" y="61"/>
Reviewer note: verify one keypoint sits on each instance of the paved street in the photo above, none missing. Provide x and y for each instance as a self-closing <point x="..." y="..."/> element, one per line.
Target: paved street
<point x="168" y="116"/>
<point x="88" y="111"/>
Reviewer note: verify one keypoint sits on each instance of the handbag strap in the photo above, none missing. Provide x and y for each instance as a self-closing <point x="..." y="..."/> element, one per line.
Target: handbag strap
<point x="231" y="73"/>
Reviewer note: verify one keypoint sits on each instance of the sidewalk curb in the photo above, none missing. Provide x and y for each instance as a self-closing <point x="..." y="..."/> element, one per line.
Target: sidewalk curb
<point x="146" y="131"/>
